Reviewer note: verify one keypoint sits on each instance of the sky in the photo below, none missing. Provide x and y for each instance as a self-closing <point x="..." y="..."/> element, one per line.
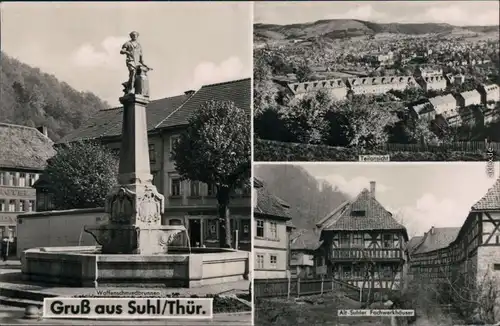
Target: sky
<point x="421" y="194"/>
<point x="459" y="13"/>
<point x="187" y="44"/>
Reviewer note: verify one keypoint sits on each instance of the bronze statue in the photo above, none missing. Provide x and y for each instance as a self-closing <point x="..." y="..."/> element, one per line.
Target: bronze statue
<point x="137" y="79"/>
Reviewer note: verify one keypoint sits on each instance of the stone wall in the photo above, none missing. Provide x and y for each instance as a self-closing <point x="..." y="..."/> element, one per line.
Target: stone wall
<point x="57" y="228"/>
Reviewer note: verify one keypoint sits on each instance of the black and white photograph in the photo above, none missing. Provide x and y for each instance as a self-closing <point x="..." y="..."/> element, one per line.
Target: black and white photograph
<point x="376" y="81"/>
<point x="125" y="163"/>
<point x="417" y="237"/>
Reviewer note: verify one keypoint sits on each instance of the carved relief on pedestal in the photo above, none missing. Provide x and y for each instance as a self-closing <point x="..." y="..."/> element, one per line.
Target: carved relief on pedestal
<point x="120" y="206"/>
<point x="151" y="206"/>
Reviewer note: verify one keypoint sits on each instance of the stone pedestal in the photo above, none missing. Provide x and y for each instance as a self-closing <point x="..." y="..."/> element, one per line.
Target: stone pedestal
<point x="134" y="206"/>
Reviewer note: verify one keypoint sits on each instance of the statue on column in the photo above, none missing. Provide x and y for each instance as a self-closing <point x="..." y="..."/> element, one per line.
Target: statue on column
<point x="137" y="80"/>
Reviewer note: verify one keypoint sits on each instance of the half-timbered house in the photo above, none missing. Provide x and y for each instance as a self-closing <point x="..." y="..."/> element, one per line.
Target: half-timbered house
<point x="464" y="257"/>
<point x="363" y="244"/>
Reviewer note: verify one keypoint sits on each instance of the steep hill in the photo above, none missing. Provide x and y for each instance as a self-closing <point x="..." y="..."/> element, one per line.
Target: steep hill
<point x="33" y="98"/>
<point x="309" y="199"/>
<point x="335" y="28"/>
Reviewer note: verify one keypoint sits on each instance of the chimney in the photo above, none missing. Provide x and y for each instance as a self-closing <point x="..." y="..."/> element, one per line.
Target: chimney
<point x="189" y="93"/>
<point x="43" y="130"/>
<point x="432" y="230"/>
<point x="372" y="188"/>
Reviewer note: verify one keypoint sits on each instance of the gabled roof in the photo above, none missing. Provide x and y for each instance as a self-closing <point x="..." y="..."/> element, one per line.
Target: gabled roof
<point x="305" y="240"/>
<point x="108" y="123"/>
<point x="314" y="86"/>
<point x="414" y="243"/>
<point x="24" y="147"/>
<point x="490" y="201"/>
<point x="376" y="216"/>
<point x="237" y="91"/>
<point x="269" y="204"/>
<point x="436" y="238"/>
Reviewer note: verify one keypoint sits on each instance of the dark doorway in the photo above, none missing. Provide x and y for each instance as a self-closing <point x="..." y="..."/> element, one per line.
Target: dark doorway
<point x="195" y="232"/>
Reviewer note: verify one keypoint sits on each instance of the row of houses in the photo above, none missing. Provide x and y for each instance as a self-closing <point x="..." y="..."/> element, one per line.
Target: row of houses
<point x="460" y="108"/>
<point x="362" y="243"/>
<point x="339" y="88"/>
<point x="466" y="258"/>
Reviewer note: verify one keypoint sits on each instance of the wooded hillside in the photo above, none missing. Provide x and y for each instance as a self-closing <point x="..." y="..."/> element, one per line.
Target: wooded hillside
<point x="33" y="98"/>
<point x="309" y="199"/>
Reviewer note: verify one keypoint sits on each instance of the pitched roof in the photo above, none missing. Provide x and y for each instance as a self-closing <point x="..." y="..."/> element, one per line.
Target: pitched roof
<point x="237" y="91"/>
<point x="314" y="86"/>
<point x="268" y="204"/>
<point x="435" y="239"/>
<point x="108" y="123"/>
<point x="470" y="94"/>
<point x="381" y="80"/>
<point x="376" y="216"/>
<point x="490" y="201"/>
<point x="423" y="108"/>
<point x="24" y="147"/>
<point x="413" y="243"/>
<point x="305" y="240"/>
<point x="445" y="99"/>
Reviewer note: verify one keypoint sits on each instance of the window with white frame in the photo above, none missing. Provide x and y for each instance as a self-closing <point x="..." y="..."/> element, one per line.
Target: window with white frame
<point x="2" y="205"/>
<point x="12" y="205"/>
<point x="273" y="261"/>
<point x="31" y="205"/>
<point x="22" y="206"/>
<point x="3" y="178"/>
<point x="273" y="230"/>
<point x="10" y="178"/>
<point x="152" y="153"/>
<point x="259" y="261"/>
<point x="22" y="180"/>
<point x="260" y="228"/>
<point x="174" y="139"/>
<point x="175" y="186"/>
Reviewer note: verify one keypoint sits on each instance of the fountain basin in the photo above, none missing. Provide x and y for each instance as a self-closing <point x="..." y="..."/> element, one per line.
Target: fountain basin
<point x="86" y="267"/>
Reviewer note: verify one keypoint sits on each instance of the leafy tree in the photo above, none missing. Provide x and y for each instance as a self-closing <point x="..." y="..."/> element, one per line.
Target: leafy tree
<point x="305" y="118"/>
<point x="359" y="123"/>
<point x="265" y="90"/>
<point x="215" y="149"/>
<point x="303" y="72"/>
<point x="81" y="174"/>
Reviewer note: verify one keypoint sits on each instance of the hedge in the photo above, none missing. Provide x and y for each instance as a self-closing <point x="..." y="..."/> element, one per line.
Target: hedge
<point x="266" y="150"/>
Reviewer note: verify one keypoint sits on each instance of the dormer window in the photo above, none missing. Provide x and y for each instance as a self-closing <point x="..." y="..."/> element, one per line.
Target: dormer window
<point x="359" y="213"/>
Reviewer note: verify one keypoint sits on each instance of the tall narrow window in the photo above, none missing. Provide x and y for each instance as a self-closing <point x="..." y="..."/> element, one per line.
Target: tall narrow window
<point x="12" y="205"/>
<point x="2" y="205"/>
<point x="387" y="243"/>
<point x="259" y="261"/>
<point x="152" y="153"/>
<point x="273" y="229"/>
<point x="22" y="180"/>
<point x="175" y="187"/>
<point x="260" y="228"/>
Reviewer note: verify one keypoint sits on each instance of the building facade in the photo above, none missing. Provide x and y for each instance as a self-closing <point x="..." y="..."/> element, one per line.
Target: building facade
<point x="304" y="254"/>
<point x="490" y="94"/>
<point x="363" y="244"/>
<point x="466" y="256"/>
<point x="23" y="155"/>
<point x="380" y="85"/>
<point x="446" y="107"/>
<point x="187" y="202"/>
<point x="433" y="83"/>
<point x="272" y="221"/>
<point x="468" y="98"/>
<point x="335" y="87"/>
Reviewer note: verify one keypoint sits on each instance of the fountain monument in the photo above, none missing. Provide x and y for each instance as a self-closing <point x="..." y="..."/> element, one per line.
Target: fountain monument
<point x="133" y="244"/>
